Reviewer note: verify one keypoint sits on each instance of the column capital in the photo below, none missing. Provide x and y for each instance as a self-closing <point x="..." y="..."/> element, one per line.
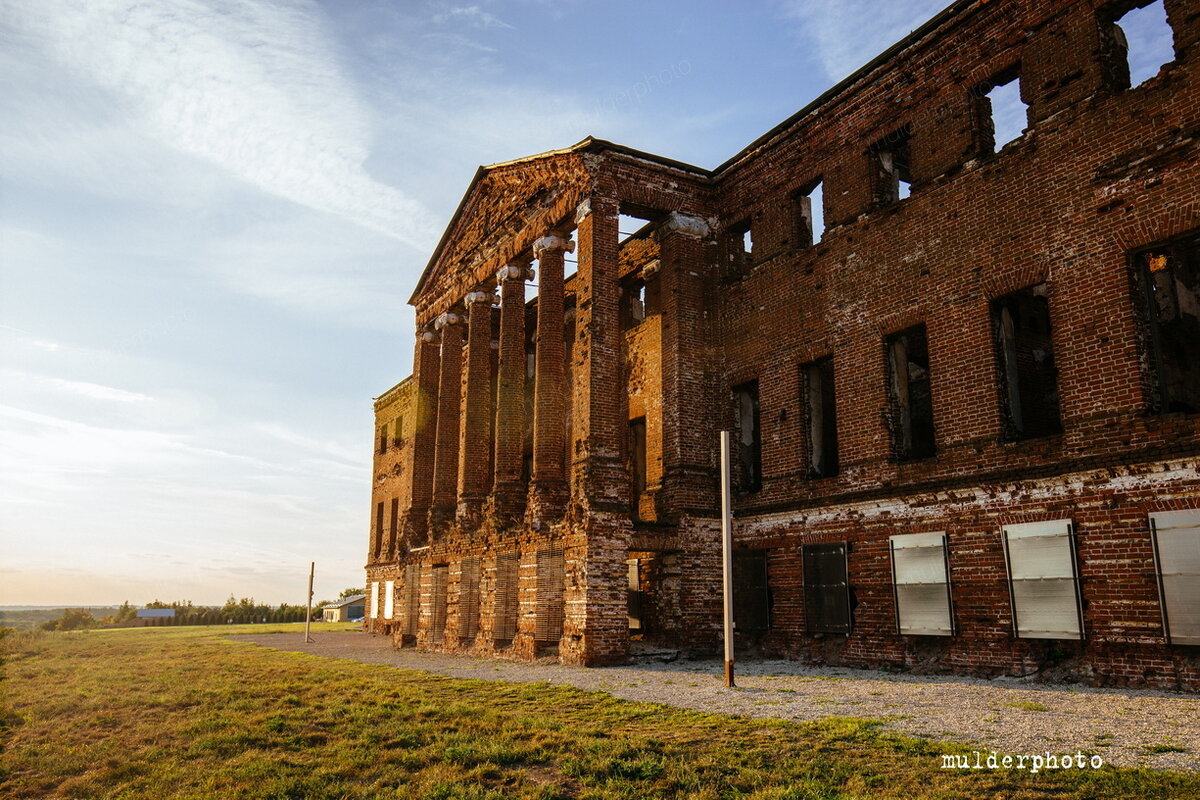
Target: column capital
<point x="430" y="336"/>
<point x="515" y="272"/>
<point x="449" y="318"/>
<point x="553" y="242"/>
<point x="480" y="297"/>
<point x="684" y="224"/>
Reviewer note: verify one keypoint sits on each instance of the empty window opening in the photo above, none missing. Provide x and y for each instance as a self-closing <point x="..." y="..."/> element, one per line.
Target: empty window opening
<point x="398" y="433"/>
<point x="438" y="601"/>
<point x="392" y="531"/>
<point x="505" y="604"/>
<point x="378" y="528"/>
<point x="633" y="304"/>
<point x="1137" y="42"/>
<point x="749" y="440"/>
<point x="633" y="570"/>
<point x="628" y="226"/>
<point x="1169" y="277"/>
<point x="921" y="581"/>
<point x="383" y="439"/>
<point x="810" y="214"/>
<point x="637" y="461"/>
<point x="468" y="599"/>
<point x="1025" y="353"/>
<point x="892" y="162"/>
<point x="1176" y="539"/>
<point x="820" y="417"/>
<point x="1043" y="581"/>
<point x="910" y="401"/>
<point x="826" y="588"/>
<point x="751" y="594"/>
<point x="1005" y="114"/>
<point x="551" y="579"/>
<point x="741" y="246"/>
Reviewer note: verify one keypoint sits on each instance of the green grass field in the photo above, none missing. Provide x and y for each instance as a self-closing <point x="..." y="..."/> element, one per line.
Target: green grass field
<point x="185" y="713"/>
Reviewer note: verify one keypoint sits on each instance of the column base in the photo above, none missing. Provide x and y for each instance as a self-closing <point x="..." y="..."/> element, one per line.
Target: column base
<point x="547" y="502"/>
<point x="470" y="513"/>
<point x="440" y="519"/>
<point x="507" y="503"/>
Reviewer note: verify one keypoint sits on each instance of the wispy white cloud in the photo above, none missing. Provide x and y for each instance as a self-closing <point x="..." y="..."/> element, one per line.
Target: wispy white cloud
<point x="252" y="87"/>
<point x="850" y="33"/>
<point x="474" y="16"/>
<point x="97" y="391"/>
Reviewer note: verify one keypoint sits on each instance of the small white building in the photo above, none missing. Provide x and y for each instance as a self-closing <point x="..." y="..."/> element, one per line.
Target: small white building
<point x="352" y="608"/>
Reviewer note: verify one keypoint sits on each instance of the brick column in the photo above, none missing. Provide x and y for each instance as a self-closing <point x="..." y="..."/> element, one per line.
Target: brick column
<point x="427" y="372"/>
<point x="548" y="490"/>
<point x="689" y="429"/>
<point x="508" y="494"/>
<point x="449" y="405"/>
<point x="476" y="436"/>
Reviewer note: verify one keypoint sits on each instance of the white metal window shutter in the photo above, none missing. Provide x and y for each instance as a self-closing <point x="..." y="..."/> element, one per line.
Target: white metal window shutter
<point x="389" y="599"/>
<point x="1043" y="580"/>
<point x="374" y="599"/>
<point x="1177" y="561"/>
<point x="921" y="584"/>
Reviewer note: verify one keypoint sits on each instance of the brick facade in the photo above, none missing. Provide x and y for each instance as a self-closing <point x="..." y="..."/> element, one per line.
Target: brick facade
<point x="523" y="415"/>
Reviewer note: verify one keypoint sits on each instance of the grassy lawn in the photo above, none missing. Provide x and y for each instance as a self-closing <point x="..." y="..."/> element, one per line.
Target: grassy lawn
<point x="184" y="713"/>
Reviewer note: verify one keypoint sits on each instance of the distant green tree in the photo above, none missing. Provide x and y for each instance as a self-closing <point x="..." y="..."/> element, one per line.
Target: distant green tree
<point x="123" y="614"/>
<point x="73" y="619"/>
<point x="351" y="592"/>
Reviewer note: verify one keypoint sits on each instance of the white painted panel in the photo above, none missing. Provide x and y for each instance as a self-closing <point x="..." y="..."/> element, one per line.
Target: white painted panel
<point x="1042" y="573"/>
<point x="1177" y="535"/>
<point x="922" y="594"/>
<point x="374" y="599"/>
<point x="389" y="598"/>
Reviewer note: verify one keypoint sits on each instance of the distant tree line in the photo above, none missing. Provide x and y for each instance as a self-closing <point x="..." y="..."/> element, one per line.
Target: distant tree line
<point x="235" y="611"/>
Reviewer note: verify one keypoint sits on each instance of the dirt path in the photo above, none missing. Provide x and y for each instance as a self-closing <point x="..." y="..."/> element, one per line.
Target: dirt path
<point x="1126" y="727"/>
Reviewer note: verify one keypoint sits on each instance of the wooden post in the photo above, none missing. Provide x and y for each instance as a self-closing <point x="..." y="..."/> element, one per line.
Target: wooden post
<point x="727" y="557"/>
<point x="312" y="567"/>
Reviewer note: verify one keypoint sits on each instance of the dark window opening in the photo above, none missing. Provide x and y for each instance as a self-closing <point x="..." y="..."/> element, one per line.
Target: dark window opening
<point x="637" y="461"/>
<point x="826" y="588"/>
<point x="383" y="440"/>
<point x="1136" y="41"/>
<point x="1002" y="114"/>
<point x="821" y="417"/>
<point x="398" y="433"/>
<point x="751" y="593"/>
<point x="378" y="539"/>
<point x="749" y="439"/>
<point x="891" y="158"/>
<point x="1169" y="279"/>
<point x="634" y="598"/>
<point x="1025" y="354"/>
<point x="741" y="246"/>
<point x="910" y="399"/>
<point x="809" y="206"/>
<point x="392" y="531"/>
<point x="633" y="304"/>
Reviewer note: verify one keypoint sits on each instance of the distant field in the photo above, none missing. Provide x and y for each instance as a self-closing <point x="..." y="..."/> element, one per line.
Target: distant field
<point x="24" y="619"/>
<point x="185" y="713"/>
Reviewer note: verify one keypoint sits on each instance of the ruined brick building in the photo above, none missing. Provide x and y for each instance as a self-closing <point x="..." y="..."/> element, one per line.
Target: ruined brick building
<point x="966" y="406"/>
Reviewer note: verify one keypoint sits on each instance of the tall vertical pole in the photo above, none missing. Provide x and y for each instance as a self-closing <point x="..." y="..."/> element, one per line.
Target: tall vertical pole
<point x="727" y="556"/>
<point x="312" y="567"/>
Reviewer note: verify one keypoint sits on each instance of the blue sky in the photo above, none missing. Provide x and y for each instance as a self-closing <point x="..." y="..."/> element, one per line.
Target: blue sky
<point x="212" y="214"/>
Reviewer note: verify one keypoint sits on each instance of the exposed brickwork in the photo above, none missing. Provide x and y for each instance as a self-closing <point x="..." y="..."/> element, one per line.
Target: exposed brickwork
<point x="1102" y="171"/>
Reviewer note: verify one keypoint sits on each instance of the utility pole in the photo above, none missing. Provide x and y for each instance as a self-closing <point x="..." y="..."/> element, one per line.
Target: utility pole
<point x="312" y="568"/>
<point x="727" y="557"/>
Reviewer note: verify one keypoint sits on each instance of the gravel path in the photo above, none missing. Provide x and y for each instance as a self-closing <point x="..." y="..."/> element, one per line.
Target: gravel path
<point x="1127" y="727"/>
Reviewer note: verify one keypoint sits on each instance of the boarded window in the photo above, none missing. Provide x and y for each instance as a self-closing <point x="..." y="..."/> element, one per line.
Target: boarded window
<point x="751" y="595"/>
<point x="808" y="207"/>
<point x="551" y="577"/>
<point x="634" y="603"/>
<point x="389" y="599"/>
<point x="821" y="418"/>
<point x="749" y="439"/>
<point x="1025" y="354"/>
<point x="1177" y="561"/>
<point x="637" y="460"/>
<point x="438" y="600"/>
<point x="826" y="588"/>
<point x="377" y="540"/>
<point x="374" y="599"/>
<point x="468" y="599"/>
<point x="506" y="602"/>
<point x="922" y="584"/>
<point x="1169" y="277"/>
<point x="910" y="397"/>
<point x="891" y="160"/>
<point x="412" y="598"/>
<point x="1043" y="582"/>
<point x="391" y="543"/>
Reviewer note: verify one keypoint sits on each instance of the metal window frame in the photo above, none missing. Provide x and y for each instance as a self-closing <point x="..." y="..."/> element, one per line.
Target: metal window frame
<point x="946" y="583"/>
<point x="1075" y="580"/>
<point x="1158" y="575"/>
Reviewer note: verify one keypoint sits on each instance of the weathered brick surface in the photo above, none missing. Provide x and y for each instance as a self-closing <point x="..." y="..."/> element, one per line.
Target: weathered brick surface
<point x="1101" y="170"/>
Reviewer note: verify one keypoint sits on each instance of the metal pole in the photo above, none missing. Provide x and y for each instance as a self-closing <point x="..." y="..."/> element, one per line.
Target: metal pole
<point x="312" y="567"/>
<point x="727" y="557"/>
